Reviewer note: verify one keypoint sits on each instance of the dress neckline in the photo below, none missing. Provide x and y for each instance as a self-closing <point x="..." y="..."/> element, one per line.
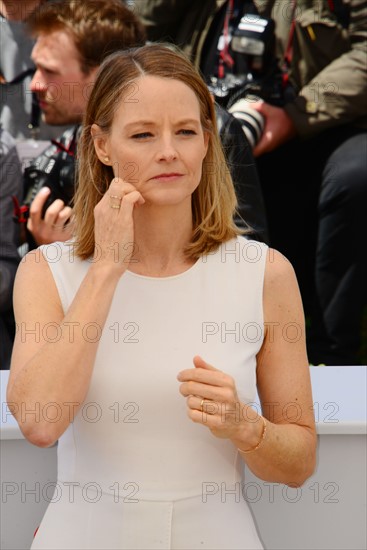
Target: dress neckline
<point x="184" y="273"/>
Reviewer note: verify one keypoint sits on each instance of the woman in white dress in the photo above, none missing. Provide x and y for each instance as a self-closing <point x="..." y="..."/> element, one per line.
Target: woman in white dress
<point x="156" y="325"/>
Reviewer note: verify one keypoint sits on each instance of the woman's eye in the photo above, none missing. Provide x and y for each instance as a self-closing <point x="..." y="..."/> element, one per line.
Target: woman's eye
<point x="187" y="132"/>
<point x="141" y="135"/>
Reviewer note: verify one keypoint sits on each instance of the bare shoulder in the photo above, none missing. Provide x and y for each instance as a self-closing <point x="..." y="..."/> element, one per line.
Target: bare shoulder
<point x="281" y="290"/>
<point x="32" y="265"/>
<point x="277" y="267"/>
<point x="34" y="283"/>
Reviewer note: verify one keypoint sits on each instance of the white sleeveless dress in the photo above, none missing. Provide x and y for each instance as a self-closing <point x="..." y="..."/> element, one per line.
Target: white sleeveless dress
<point x="134" y="472"/>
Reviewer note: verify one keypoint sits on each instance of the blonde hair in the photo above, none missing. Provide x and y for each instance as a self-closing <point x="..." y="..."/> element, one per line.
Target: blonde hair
<point x="213" y="201"/>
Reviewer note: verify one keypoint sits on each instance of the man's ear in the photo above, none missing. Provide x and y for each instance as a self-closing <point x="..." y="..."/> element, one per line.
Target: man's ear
<point x="100" y="140"/>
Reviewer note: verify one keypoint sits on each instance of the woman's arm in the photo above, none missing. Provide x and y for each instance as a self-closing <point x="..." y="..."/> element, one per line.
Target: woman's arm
<point x="288" y="452"/>
<point x="44" y="372"/>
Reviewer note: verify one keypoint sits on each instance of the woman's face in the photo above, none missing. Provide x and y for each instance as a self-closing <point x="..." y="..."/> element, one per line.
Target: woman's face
<point x="156" y="141"/>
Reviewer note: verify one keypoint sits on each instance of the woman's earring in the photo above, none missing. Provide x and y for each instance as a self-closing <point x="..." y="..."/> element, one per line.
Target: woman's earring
<point x="107" y="159"/>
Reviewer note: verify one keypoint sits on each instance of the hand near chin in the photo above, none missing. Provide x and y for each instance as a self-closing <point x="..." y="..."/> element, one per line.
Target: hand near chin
<point x="114" y="225"/>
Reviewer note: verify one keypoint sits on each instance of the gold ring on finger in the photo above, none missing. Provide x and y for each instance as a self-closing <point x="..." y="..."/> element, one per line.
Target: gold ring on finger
<point x="113" y="199"/>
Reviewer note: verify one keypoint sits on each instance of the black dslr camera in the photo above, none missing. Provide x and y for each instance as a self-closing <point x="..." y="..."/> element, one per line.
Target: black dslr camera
<point x="247" y="64"/>
<point x="56" y="172"/>
<point x="54" y="168"/>
<point x="244" y="69"/>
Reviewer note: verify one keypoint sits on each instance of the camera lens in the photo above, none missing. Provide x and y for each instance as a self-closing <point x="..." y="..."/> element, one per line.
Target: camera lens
<point x="252" y="121"/>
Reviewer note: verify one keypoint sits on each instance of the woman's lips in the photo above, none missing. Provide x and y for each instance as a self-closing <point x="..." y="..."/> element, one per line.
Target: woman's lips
<point x="167" y="177"/>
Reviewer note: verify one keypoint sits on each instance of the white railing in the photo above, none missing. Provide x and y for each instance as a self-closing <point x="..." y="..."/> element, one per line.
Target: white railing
<point x="327" y="512"/>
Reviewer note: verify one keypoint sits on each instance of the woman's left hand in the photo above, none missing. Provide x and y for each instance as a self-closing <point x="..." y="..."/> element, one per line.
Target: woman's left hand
<point x="212" y="400"/>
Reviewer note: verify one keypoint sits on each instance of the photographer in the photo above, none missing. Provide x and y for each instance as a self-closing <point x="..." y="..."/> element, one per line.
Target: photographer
<point x="323" y="130"/>
<point x="321" y="46"/>
<point x="72" y="39"/>
<point x="19" y="109"/>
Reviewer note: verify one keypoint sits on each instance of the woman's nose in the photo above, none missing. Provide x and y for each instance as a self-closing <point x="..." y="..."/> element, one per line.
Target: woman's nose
<point x="167" y="149"/>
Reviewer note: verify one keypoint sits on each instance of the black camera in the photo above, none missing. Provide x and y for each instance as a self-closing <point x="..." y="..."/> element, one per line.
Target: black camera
<point x="246" y="63"/>
<point x="246" y="69"/>
<point x="54" y="168"/>
<point x="56" y="172"/>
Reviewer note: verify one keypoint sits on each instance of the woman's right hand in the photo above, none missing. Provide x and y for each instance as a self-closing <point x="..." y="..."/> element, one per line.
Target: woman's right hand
<point x="114" y="225"/>
<point x="39" y="372"/>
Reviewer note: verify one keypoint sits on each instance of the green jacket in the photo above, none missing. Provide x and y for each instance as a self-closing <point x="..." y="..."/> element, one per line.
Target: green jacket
<point x="182" y="22"/>
<point x="329" y="62"/>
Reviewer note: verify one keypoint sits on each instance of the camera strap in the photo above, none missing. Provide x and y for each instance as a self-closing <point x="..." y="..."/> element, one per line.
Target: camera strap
<point x="19" y="211"/>
<point x="224" y="56"/>
<point x="70" y="149"/>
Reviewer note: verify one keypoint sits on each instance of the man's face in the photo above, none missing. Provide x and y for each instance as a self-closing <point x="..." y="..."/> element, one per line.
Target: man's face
<point x="61" y="86"/>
